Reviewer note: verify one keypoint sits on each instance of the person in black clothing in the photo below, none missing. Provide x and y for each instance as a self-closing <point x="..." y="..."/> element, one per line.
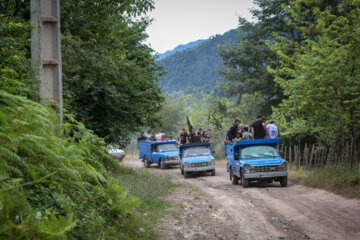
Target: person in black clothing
<point x="234" y="129"/>
<point x="142" y="136"/>
<point x="193" y="136"/>
<point x="183" y="137"/>
<point x="201" y="134"/>
<point x="258" y="128"/>
<point x="228" y="138"/>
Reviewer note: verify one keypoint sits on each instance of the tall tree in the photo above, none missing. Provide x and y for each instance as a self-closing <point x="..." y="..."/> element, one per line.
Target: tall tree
<point x="109" y="73"/>
<point x="321" y="77"/>
<point x="246" y="61"/>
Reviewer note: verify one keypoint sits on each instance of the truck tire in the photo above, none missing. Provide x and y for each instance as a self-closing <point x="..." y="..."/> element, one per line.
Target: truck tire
<point x="186" y="174"/>
<point x="146" y="163"/>
<point x="213" y="172"/>
<point x="234" y="179"/>
<point x="244" y="181"/>
<point x="162" y="164"/>
<point x="283" y="181"/>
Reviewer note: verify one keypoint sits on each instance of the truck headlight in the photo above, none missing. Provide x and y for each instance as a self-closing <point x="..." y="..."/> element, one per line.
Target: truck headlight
<point x="283" y="166"/>
<point x="249" y="168"/>
<point x="187" y="164"/>
<point x="212" y="162"/>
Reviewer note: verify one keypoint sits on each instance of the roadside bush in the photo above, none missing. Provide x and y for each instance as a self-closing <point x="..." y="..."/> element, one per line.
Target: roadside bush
<point x="144" y="184"/>
<point x="54" y="182"/>
<point x="333" y="177"/>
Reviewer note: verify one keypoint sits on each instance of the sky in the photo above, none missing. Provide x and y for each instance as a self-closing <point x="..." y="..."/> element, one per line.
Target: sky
<point x="182" y="21"/>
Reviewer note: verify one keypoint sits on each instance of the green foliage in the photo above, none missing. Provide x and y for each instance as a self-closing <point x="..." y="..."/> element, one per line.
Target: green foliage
<point x="320" y="77"/>
<point x="109" y="73"/>
<point x="14" y="55"/>
<point x="194" y="71"/>
<point x="54" y="182"/>
<point x="337" y="178"/>
<point x="246" y="61"/>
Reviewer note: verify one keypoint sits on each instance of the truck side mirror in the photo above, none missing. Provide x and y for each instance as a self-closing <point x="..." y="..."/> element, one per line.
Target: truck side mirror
<point x="213" y="152"/>
<point x="236" y="156"/>
<point x="281" y="154"/>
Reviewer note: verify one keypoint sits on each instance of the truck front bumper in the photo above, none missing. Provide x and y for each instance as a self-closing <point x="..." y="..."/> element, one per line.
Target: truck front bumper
<point x="199" y="169"/>
<point x="172" y="162"/>
<point x="266" y="175"/>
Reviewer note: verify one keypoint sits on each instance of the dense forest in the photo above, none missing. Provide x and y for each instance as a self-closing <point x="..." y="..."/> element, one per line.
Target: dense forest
<point x="195" y="70"/>
<point x="180" y="48"/>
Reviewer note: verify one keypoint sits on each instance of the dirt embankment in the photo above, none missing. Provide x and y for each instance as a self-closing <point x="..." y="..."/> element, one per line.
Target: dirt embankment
<point x="207" y="207"/>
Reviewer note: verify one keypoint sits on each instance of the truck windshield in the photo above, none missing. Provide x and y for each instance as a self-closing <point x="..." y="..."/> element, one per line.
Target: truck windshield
<point x="258" y="152"/>
<point x="167" y="147"/>
<point x="196" y="151"/>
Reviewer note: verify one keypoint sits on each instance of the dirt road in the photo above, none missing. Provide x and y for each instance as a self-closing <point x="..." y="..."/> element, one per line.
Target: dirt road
<point x="211" y="208"/>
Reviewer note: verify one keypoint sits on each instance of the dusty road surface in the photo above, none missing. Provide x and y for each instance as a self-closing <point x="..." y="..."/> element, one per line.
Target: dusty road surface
<point x="209" y="207"/>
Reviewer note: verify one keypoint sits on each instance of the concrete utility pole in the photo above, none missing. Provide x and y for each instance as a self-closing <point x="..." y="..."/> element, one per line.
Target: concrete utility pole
<point x="46" y="50"/>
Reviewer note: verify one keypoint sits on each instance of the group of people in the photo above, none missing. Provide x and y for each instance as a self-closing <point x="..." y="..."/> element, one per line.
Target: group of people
<point x="150" y="136"/>
<point x="184" y="137"/>
<point x="257" y="130"/>
<point x="238" y="132"/>
<point x="194" y="136"/>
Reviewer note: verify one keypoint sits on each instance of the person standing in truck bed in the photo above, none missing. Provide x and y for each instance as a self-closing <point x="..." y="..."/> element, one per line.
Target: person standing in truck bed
<point x="246" y="134"/>
<point x="183" y="137"/>
<point x="258" y="128"/>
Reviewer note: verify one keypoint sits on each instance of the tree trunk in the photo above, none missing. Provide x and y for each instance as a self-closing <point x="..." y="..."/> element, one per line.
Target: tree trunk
<point x="305" y="155"/>
<point x="312" y="155"/>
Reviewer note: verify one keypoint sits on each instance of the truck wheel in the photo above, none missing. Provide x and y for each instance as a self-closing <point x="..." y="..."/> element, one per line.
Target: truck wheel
<point x="283" y="181"/>
<point x="213" y="172"/>
<point x="186" y="174"/>
<point x="244" y="181"/>
<point x="234" y="179"/>
<point x="162" y="164"/>
<point x="182" y="170"/>
<point x="146" y="163"/>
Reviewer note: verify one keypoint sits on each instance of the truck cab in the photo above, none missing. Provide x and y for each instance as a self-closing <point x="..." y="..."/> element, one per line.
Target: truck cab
<point x="255" y="160"/>
<point x="196" y="157"/>
<point x="163" y="153"/>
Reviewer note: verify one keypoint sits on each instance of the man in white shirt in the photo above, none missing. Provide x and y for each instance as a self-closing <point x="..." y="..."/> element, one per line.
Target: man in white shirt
<point x="148" y="135"/>
<point x="158" y="136"/>
<point x="272" y="130"/>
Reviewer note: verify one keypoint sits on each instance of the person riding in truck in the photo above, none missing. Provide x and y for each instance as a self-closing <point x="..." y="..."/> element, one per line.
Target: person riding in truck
<point x="238" y="137"/>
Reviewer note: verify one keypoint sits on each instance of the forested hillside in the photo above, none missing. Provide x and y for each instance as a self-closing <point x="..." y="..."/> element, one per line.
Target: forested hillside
<point x="195" y="70"/>
<point x="180" y="48"/>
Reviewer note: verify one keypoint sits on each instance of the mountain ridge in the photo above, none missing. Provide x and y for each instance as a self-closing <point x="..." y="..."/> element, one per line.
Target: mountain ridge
<point x="195" y="69"/>
<point x="180" y="48"/>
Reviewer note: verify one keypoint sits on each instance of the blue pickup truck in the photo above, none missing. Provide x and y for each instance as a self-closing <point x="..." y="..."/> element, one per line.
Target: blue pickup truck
<point x="196" y="157"/>
<point x="163" y="153"/>
<point x="255" y="160"/>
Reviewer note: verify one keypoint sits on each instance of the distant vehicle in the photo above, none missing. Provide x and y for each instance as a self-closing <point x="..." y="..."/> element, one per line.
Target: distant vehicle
<point x="255" y="160"/>
<point x="196" y="157"/>
<point x="115" y="152"/>
<point x="163" y="153"/>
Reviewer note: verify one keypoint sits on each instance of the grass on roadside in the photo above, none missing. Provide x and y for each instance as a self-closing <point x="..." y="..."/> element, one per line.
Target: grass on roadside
<point x="336" y="178"/>
<point x="150" y="188"/>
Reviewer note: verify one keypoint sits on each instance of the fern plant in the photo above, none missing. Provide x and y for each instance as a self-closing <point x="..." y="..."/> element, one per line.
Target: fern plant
<point x="54" y="178"/>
